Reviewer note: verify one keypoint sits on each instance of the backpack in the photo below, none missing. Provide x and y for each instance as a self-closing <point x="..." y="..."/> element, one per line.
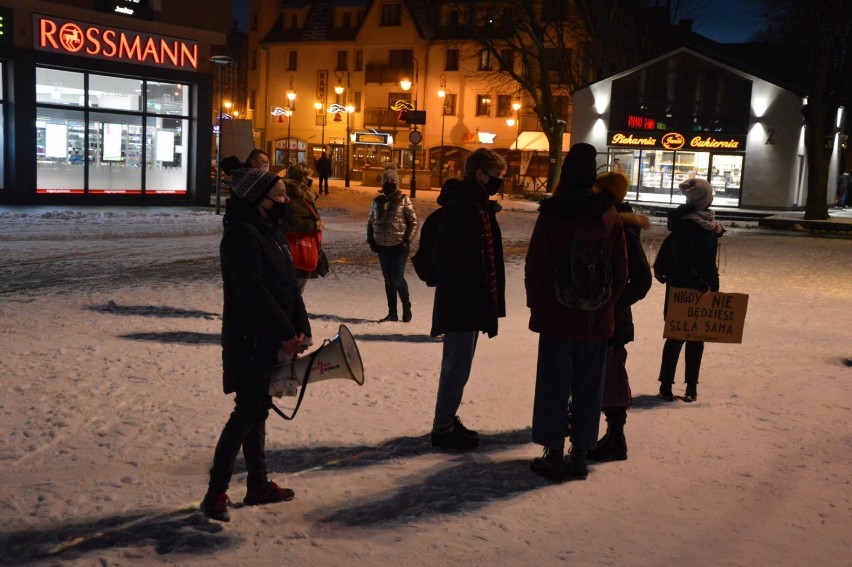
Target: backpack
<point x="583" y="275"/>
<point x="663" y="261"/>
<point x="424" y="267"/>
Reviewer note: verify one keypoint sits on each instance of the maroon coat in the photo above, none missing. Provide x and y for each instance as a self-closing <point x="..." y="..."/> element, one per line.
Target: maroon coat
<point x="589" y="216"/>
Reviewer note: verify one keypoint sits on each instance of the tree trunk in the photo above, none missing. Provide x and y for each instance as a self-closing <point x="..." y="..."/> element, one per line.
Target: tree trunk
<point x="554" y="140"/>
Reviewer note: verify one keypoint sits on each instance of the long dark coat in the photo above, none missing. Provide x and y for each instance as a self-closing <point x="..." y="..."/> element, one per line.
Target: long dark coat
<point x="561" y="218"/>
<point x="693" y="253"/>
<point x="262" y="303"/>
<point x="462" y="297"/>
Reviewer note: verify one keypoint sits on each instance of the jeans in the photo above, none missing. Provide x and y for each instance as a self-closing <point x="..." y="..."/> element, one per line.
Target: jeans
<point x="246" y="428"/>
<point x="456" y="362"/>
<point x="323" y="185"/>
<point x="393" y="259"/>
<point x="568" y="368"/>
<point x="692" y="360"/>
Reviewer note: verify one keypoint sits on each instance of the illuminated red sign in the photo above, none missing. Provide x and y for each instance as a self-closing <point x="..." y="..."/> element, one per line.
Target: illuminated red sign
<point x="676" y="141"/>
<point x="113" y="44"/>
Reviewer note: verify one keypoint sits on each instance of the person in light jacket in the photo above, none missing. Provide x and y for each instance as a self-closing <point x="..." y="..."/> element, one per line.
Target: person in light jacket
<point x="391" y="225"/>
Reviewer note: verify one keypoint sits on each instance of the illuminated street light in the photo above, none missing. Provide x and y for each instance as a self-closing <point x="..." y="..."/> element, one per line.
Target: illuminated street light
<point x="442" y="93"/>
<point x="405" y="84"/>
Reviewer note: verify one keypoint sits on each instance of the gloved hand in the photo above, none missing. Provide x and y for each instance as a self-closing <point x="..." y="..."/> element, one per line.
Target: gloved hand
<point x="373" y="246"/>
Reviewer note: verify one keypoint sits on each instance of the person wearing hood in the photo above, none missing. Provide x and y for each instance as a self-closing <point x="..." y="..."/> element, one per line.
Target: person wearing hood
<point x="391" y="225"/>
<point x="470" y="291"/>
<point x="694" y="232"/>
<point x="263" y="313"/>
<point x="302" y="215"/>
<point x="572" y="342"/>
<point x="613" y="445"/>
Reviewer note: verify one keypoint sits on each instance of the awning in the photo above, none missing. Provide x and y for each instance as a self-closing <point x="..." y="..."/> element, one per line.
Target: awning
<point x="537" y="142"/>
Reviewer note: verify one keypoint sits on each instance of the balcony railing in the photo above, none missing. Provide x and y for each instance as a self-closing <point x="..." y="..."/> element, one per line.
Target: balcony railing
<point x="381" y="118"/>
<point x="384" y="74"/>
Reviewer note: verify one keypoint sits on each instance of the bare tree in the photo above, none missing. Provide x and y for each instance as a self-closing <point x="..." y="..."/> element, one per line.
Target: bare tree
<point x="547" y="49"/>
<point x="819" y="33"/>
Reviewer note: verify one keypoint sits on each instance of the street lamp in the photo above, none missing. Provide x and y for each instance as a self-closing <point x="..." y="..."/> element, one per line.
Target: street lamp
<point x="221" y="61"/>
<point x="516" y="106"/>
<point x="320" y="106"/>
<point x="339" y="89"/>
<point x="414" y="137"/>
<point x="291" y="96"/>
<point x="442" y="93"/>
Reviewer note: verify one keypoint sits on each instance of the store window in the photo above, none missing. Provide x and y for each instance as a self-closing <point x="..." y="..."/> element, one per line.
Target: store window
<point x="101" y="134"/>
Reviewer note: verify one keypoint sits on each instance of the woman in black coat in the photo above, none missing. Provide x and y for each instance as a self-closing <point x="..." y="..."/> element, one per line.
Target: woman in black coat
<point x="695" y="232"/>
<point x="263" y="314"/>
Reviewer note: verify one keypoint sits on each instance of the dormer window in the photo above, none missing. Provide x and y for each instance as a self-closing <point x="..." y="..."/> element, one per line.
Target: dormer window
<point x="391" y="15"/>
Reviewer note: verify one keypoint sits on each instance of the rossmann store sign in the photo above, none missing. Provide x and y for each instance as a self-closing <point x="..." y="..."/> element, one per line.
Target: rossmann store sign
<point x="674" y="141"/>
<point x="113" y="44"/>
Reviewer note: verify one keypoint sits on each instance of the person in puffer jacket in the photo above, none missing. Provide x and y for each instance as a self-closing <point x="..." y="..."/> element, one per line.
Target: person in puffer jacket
<point x="391" y="225"/>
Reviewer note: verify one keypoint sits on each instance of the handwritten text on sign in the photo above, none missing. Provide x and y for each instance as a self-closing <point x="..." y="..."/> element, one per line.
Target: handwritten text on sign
<point x="712" y="317"/>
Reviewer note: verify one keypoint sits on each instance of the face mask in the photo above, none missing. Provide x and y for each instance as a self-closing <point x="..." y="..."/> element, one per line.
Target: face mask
<point x="277" y="212"/>
<point x="389" y="188"/>
<point x="494" y="185"/>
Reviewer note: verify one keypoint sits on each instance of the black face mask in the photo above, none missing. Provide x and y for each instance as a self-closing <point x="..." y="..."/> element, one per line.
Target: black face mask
<point x="277" y="212"/>
<point x="389" y="188"/>
<point x="494" y="185"/>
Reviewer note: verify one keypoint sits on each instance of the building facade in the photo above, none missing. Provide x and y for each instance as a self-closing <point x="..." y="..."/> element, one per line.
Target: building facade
<point x="107" y="102"/>
<point x="685" y="114"/>
<point x="328" y="76"/>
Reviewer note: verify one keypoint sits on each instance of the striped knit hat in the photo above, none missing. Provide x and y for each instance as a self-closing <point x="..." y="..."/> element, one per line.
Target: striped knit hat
<point x="252" y="184"/>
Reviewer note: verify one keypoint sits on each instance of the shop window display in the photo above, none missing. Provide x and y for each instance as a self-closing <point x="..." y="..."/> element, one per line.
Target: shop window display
<point x="131" y="123"/>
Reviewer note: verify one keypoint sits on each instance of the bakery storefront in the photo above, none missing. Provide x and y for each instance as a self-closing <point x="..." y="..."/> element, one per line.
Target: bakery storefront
<point x="106" y="114"/>
<point x="685" y="115"/>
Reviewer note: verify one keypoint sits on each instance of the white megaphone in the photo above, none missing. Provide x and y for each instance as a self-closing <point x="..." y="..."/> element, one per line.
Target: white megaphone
<point x="336" y="358"/>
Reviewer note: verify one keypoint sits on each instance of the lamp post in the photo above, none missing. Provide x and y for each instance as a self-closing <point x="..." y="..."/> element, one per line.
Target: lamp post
<point x="221" y="61"/>
<point x="414" y="137"/>
<point x="340" y="89"/>
<point x="320" y="106"/>
<point x="291" y="96"/>
<point x="442" y="93"/>
<point x="516" y="106"/>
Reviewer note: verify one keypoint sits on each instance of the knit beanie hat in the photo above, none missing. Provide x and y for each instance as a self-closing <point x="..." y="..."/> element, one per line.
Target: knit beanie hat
<point x="252" y="184"/>
<point x="579" y="169"/>
<point x="699" y="193"/>
<point x="613" y="183"/>
<point x="390" y="175"/>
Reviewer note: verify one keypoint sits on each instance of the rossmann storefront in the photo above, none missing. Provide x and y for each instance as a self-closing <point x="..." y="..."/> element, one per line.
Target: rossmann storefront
<point x="686" y="115"/>
<point x="100" y="109"/>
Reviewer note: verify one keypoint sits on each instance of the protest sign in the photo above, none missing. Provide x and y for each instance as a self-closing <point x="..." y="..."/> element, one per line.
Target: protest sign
<point x="711" y="317"/>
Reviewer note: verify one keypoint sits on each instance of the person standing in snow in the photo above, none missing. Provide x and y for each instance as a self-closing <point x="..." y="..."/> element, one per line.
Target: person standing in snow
<point x="470" y="293"/>
<point x="613" y="445"/>
<point x="572" y="342"/>
<point x="391" y="225"/>
<point x="695" y="232"/>
<point x="302" y="214"/>
<point x="263" y="313"/>
<point x="323" y="167"/>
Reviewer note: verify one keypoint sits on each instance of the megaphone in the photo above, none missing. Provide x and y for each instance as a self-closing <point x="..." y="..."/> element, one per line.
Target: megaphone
<point x="336" y="358"/>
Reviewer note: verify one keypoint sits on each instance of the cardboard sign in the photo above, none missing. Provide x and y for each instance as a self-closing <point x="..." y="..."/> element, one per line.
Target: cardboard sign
<point x="711" y="317"/>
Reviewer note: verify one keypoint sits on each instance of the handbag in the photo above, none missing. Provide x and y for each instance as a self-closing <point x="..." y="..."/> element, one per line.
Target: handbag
<point x="305" y="246"/>
<point x="616" y="385"/>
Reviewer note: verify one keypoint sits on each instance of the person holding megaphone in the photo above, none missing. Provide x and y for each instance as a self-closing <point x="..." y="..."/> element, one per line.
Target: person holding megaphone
<point x="263" y="313"/>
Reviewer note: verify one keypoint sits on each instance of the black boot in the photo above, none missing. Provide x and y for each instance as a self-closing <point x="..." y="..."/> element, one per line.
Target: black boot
<point x="575" y="464"/>
<point x="611" y="447"/>
<point x="666" y="391"/>
<point x="550" y="465"/>
<point x="691" y="394"/>
<point x="406" y="311"/>
<point x="389" y="317"/>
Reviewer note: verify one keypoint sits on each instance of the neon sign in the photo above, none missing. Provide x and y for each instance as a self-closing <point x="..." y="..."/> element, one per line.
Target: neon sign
<point x="115" y="44"/>
<point x="674" y="141"/>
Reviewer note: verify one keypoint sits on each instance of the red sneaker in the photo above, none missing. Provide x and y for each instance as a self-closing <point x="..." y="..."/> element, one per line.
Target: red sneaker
<point x="269" y="494"/>
<point x="215" y="506"/>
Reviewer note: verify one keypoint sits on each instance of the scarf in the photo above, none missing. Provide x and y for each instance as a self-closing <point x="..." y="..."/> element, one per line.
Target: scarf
<point x="706" y="219"/>
<point x="488" y="252"/>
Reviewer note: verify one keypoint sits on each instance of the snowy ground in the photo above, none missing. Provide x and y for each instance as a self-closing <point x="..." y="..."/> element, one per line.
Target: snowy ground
<point x="112" y="404"/>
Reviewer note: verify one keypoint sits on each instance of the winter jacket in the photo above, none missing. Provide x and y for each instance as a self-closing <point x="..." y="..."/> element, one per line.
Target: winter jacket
<point x="589" y="216"/>
<point x="693" y="253"/>
<point x="323" y="167"/>
<point x="392" y="220"/>
<point x="463" y="299"/>
<point x="638" y="274"/>
<point x="302" y="214"/>
<point x="262" y="303"/>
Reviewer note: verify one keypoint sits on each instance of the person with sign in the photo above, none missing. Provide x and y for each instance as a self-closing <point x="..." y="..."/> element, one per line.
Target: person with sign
<point x="694" y="233"/>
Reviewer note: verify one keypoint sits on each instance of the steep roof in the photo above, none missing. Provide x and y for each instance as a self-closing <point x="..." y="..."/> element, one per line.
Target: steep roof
<point x="319" y="24"/>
